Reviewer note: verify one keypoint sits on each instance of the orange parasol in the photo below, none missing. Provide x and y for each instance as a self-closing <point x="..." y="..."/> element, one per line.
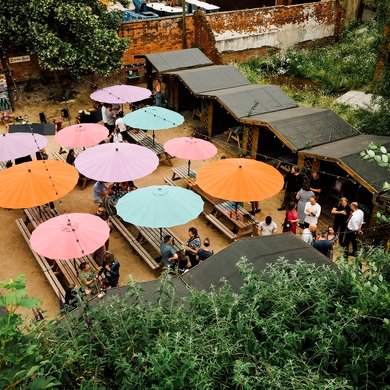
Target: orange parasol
<point x="35" y="183"/>
<point x="240" y="180"/>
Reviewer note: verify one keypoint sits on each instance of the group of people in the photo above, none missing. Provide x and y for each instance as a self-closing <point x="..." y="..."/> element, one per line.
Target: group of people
<point x="303" y="210"/>
<point x="191" y="255"/>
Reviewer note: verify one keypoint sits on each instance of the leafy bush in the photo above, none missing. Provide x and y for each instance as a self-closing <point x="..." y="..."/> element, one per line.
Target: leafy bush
<point x="308" y="329"/>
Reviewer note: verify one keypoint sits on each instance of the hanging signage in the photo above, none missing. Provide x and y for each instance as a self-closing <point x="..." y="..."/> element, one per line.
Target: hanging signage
<point x="14" y="60"/>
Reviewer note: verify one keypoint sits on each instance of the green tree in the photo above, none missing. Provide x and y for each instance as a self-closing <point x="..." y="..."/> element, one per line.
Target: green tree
<point x="74" y="35"/>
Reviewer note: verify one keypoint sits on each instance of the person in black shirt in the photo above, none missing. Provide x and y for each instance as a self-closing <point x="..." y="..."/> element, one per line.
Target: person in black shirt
<point x="293" y="182"/>
<point x="205" y="253"/>
<point x="322" y="244"/>
<point x="315" y="183"/>
<point x="342" y="212"/>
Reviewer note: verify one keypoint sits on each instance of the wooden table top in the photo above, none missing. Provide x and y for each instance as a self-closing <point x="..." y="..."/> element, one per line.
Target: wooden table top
<point x="182" y="173"/>
<point x="228" y="209"/>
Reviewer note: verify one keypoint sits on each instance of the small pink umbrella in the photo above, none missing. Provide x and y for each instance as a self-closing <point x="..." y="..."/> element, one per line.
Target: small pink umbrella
<point x="69" y="236"/>
<point x="81" y="135"/>
<point x="120" y="94"/>
<point x="116" y="162"/>
<point x="15" y="145"/>
<point x="190" y="148"/>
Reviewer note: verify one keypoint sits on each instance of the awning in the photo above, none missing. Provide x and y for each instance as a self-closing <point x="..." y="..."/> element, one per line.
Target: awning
<point x="250" y="100"/>
<point x="203" y="5"/>
<point x="303" y="127"/>
<point x="179" y="59"/>
<point x="259" y="251"/>
<point x="346" y="153"/>
<point x="211" y="78"/>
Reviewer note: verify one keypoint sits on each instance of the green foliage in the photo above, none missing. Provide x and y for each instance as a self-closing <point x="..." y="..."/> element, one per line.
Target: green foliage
<point x="75" y="35"/>
<point x="20" y="360"/>
<point x="309" y="328"/>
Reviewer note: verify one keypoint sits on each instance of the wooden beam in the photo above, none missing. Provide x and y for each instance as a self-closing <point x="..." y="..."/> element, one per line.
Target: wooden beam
<point x="245" y="137"/>
<point x="210" y="113"/>
<point x="255" y="141"/>
<point x="301" y="161"/>
<point x="175" y="97"/>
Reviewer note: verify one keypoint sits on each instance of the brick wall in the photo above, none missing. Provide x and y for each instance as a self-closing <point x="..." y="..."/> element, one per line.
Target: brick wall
<point x="239" y="35"/>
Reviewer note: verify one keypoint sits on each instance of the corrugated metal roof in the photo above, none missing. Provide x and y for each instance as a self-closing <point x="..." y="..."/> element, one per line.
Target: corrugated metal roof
<point x="307" y="127"/>
<point x="347" y="151"/>
<point x="211" y="78"/>
<point x="252" y="99"/>
<point x="259" y="251"/>
<point x="179" y="59"/>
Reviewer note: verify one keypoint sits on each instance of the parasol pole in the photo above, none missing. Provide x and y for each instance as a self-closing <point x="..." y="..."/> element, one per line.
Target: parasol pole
<point x="189" y="167"/>
<point x="153" y="137"/>
<point x="160" y="234"/>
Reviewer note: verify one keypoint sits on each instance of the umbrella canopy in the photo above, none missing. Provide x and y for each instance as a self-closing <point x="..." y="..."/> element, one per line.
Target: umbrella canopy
<point x="153" y="118"/>
<point x="190" y="148"/>
<point x="81" y="135"/>
<point x="160" y="206"/>
<point x="35" y="183"/>
<point x="120" y="94"/>
<point x="69" y="236"/>
<point x="15" y="145"/>
<point x="116" y="162"/>
<point x="240" y="180"/>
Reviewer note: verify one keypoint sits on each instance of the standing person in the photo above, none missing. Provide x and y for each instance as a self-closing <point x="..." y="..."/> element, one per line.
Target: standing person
<point x="315" y="183"/>
<point x="309" y="234"/>
<point x="110" y="269"/>
<point x="158" y="94"/>
<point x="119" y="123"/>
<point x="291" y="220"/>
<point x="104" y="116"/>
<point x="322" y="244"/>
<point x="293" y="182"/>
<point x="205" y="253"/>
<point x="303" y="196"/>
<point x="116" y="136"/>
<point x="333" y="238"/>
<point x="193" y="245"/>
<point x="312" y="211"/>
<point x="342" y="212"/>
<point x="110" y="117"/>
<point x="354" y="227"/>
<point x="168" y="253"/>
<point x="267" y="227"/>
<point x="254" y="207"/>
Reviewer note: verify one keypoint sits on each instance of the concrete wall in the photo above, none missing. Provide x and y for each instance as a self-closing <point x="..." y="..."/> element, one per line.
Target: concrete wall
<point x="243" y="34"/>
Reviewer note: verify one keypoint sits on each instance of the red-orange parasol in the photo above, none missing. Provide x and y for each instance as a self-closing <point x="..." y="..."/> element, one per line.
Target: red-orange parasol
<point x="35" y="183"/>
<point x="240" y="180"/>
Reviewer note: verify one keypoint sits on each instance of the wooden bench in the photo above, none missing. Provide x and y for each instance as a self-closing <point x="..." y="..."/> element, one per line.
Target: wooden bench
<point x="2" y="165"/>
<point x="182" y="173"/>
<point x="42" y="262"/>
<point x="38" y="215"/>
<point x="143" y="139"/>
<point x="58" y="156"/>
<point x="169" y="181"/>
<point x="134" y="243"/>
<point x="154" y="237"/>
<point x="192" y="185"/>
<point x="219" y="225"/>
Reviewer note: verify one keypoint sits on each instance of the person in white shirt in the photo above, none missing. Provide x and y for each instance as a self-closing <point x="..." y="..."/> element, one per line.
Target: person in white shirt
<point x="267" y="227"/>
<point x="117" y="136"/>
<point x="354" y="227"/>
<point x="104" y="116"/>
<point x="312" y="211"/>
<point x="120" y="124"/>
<point x="308" y="234"/>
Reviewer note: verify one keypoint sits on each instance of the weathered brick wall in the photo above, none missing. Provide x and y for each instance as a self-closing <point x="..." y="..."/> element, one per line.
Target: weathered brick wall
<point x="239" y="35"/>
<point x="22" y="71"/>
<point x="155" y="36"/>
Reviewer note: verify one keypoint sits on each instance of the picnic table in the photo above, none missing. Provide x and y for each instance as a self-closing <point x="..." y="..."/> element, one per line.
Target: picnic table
<point x="242" y="220"/>
<point x="154" y="237"/>
<point x="182" y="173"/>
<point x="143" y="139"/>
<point x="38" y="215"/>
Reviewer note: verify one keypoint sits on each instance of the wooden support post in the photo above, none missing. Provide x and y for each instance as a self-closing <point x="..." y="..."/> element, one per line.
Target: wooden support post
<point x="374" y="210"/>
<point x="210" y="113"/>
<point x="175" y="97"/>
<point x="301" y="161"/>
<point x="255" y="141"/>
<point x="245" y="137"/>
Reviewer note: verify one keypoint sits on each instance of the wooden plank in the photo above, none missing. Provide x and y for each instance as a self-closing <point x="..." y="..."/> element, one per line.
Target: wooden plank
<point x="153" y="236"/>
<point x="58" y="156"/>
<point x="134" y="243"/>
<point x="42" y="262"/>
<point x="182" y="173"/>
<point x="219" y="225"/>
<point x="169" y="181"/>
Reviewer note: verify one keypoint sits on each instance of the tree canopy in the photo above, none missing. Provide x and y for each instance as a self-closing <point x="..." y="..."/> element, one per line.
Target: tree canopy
<point x="74" y="35"/>
<point x="309" y="328"/>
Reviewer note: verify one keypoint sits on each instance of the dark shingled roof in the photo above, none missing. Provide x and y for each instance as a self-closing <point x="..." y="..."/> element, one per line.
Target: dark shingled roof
<point x="259" y="251"/>
<point x="179" y="59"/>
<point x="253" y="99"/>
<point x="303" y="127"/>
<point x="347" y="152"/>
<point x="211" y="78"/>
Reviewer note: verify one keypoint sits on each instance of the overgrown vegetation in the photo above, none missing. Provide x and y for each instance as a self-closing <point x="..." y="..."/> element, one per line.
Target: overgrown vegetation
<point x="307" y="329"/>
<point x="316" y="78"/>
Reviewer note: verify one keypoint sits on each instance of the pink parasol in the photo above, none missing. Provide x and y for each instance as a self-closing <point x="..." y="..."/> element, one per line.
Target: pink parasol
<point x="69" y="236"/>
<point x="15" y="145"/>
<point x="116" y="162"/>
<point x="81" y="135"/>
<point x="190" y="148"/>
<point x="120" y="94"/>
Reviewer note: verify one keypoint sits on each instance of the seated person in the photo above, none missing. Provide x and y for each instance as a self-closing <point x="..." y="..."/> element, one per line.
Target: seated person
<point x="71" y="157"/>
<point x="88" y="279"/>
<point x="98" y="189"/>
<point x="205" y="253"/>
<point x="108" y="203"/>
<point x="309" y="234"/>
<point x="168" y="253"/>
<point x="110" y="269"/>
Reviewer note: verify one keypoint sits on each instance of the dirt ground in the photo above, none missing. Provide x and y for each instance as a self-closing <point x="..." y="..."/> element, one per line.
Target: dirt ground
<point x="15" y="255"/>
